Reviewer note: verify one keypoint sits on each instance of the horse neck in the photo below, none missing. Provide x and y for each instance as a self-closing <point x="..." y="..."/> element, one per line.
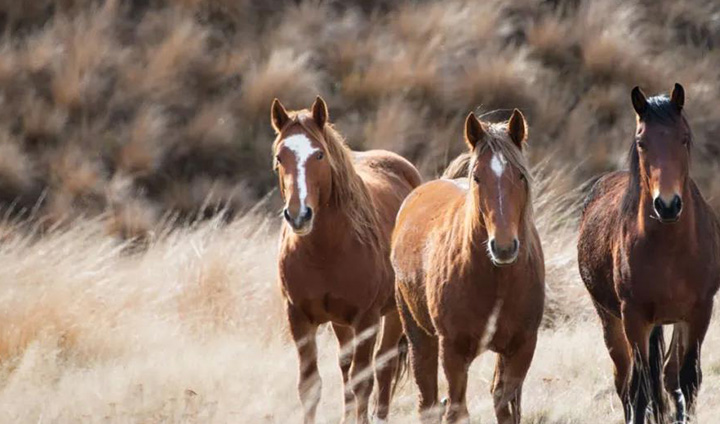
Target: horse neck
<point x="331" y="229"/>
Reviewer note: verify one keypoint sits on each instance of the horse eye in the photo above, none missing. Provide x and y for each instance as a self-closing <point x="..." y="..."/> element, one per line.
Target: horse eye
<point x="320" y="155"/>
<point x="522" y="177"/>
<point x="277" y="159"/>
<point x="476" y="179"/>
<point x="641" y="145"/>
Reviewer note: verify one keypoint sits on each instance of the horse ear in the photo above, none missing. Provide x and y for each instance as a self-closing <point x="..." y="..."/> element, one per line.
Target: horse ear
<point x="474" y="131"/>
<point x="320" y="112"/>
<point x="639" y="101"/>
<point x="278" y="116"/>
<point x="517" y="128"/>
<point x="678" y="96"/>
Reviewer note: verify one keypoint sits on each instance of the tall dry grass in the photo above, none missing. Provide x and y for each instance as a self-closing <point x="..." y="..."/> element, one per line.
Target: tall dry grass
<point x="191" y="329"/>
<point x="171" y="97"/>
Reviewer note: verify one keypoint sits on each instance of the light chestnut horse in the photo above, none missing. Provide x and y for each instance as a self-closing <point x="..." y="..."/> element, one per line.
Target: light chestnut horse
<point x="649" y="254"/>
<point x="469" y="271"/>
<point x="334" y="264"/>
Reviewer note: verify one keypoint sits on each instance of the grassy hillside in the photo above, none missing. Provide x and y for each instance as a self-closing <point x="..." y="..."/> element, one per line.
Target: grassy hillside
<point x="139" y="108"/>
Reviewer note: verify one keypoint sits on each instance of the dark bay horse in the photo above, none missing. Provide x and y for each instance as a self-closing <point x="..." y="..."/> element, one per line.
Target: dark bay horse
<point x="649" y="254"/>
<point x="469" y="271"/>
<point x="334" y="264"/>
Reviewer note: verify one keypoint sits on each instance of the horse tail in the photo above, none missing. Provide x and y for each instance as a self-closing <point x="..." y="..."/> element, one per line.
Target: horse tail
<point x="657" y="359"/>
<point x="458" y="168"/>
<point x="401" y="371"/>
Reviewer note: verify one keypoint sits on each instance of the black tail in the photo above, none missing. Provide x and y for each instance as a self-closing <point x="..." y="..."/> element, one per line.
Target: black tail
<point x="403" y="364"/>
<point x="657" y="359"/>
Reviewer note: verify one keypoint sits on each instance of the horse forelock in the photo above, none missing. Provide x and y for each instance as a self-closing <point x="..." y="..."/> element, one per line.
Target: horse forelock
<point x="348" y="192"/>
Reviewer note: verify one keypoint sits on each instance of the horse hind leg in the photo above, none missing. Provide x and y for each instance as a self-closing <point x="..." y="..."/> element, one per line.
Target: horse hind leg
<point x="344" y="337"/>
<point x="309" y="384"/>
<point x="423" y="355"/>
<point x="387" y="363"/>
<point x="673" y="365"/>
<point x="510" y="372"/>
<point x="656" y="359"/>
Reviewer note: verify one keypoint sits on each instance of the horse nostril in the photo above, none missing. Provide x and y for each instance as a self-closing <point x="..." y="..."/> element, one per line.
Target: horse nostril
<point x="286" y="214"/>
<point x="659" y="205"/>
<point x="516" y="246"/>
<point x="492" y="245"/>
<point x="677" y="204"/>
<point x="308" y="214"/>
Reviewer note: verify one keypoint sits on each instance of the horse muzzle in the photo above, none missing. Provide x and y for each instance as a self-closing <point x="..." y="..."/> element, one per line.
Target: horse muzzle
<point x="504" y="255"/>
<point x="668" y="211"/>
<point x="302" y="223"/>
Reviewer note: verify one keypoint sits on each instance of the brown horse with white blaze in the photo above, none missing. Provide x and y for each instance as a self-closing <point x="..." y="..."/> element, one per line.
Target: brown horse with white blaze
<point x="469" y="271"/>
<point x="334" y="265"/>
<point x="649" y="254"/>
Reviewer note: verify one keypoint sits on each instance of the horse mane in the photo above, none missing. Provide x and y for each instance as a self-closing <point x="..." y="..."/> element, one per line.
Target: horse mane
<point x="661" y="111"/>
<point x="348" y="189"/>
<point x="458" y="168"/>
<point x="498" y="141"/>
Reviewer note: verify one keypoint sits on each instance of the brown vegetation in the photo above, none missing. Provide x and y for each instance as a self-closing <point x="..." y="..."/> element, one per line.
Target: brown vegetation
<point x="171" y="97"/>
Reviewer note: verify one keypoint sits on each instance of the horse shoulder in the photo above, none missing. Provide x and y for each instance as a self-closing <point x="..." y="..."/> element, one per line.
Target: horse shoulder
<point x="596" y="242"/>
<point x="421" y="212"/>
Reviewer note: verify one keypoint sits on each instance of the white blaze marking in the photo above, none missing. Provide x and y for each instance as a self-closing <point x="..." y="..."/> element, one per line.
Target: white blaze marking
<point x="302" y="147"/>
<point x="497" y="164"/>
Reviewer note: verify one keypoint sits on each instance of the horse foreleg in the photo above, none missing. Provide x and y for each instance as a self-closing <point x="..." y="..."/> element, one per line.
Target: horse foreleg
<point x="361" y="372"/>
<point x="640" y="386"/>
<point x="617" y="347"/>
<point x="386" y="362"/>
<point x="344" y="337"/>
<point x="683" y="374"/>
<point x="510" y="372"/>
<point x="423" y="364"/>
<point x="457" y="355"/>
<point x="309" y="384"/>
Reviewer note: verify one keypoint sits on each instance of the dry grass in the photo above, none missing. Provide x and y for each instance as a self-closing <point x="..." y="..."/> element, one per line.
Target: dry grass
<point x="191" y="329"/>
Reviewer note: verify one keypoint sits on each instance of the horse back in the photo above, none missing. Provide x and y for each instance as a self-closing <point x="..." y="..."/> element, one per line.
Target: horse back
<point x="389" y="178"/>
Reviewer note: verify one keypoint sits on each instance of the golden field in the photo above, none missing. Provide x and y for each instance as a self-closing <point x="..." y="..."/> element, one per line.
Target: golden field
<point x="138" y="246"/>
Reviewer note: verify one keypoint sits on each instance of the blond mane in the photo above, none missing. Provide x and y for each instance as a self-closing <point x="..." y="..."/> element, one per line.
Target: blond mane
<point x="349" y="192"/>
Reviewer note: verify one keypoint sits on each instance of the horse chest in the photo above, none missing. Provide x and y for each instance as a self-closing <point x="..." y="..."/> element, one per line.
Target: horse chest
<point x="335" y="289"/>
<point x="665" y="285"/>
